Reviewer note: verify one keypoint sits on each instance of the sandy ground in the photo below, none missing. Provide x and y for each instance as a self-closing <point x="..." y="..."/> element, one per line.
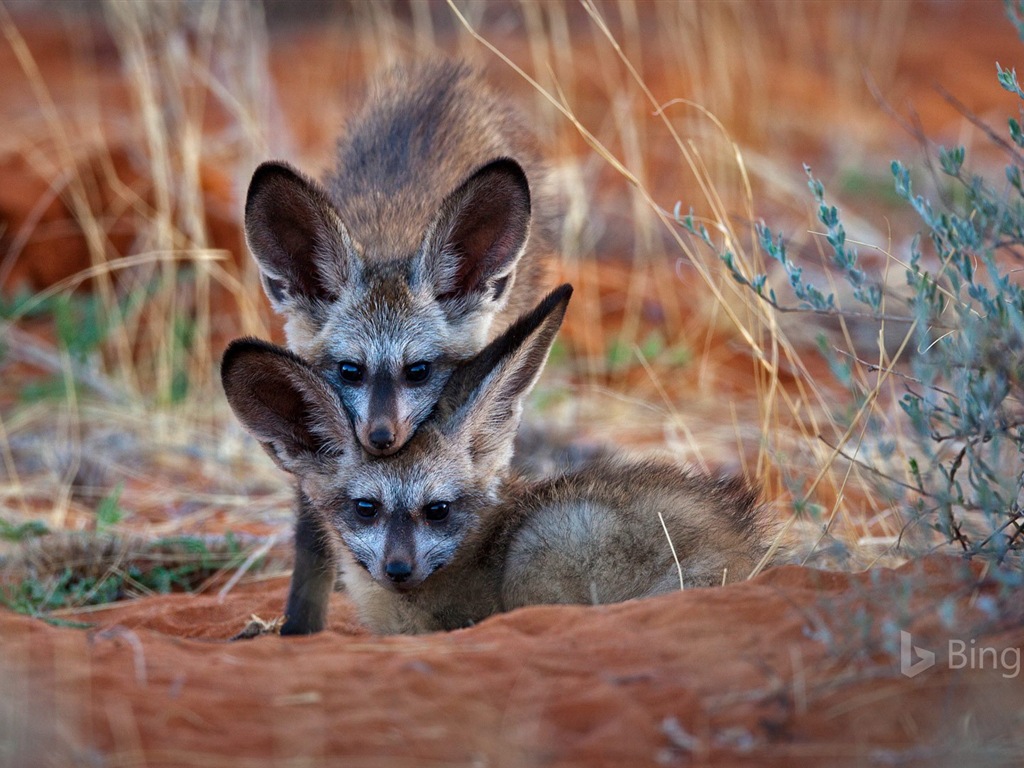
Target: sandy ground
<point x="797" y="667"/>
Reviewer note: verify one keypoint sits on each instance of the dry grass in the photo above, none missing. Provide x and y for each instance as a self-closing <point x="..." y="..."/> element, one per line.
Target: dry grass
<point x="141" y="417"/>
<point x="641" y="104"/>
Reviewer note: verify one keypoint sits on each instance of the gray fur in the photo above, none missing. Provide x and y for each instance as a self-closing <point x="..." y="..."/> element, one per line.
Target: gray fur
<point x="590" y="535"/>
<point x="423" y="243"/>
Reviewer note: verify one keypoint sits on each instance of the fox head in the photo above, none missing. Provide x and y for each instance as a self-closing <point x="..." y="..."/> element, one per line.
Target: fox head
<point x="387" y="327"/>
<point x="405" y="516"/>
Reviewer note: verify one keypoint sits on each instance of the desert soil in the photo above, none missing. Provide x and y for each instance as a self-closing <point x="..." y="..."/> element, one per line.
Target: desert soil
<point x="796" y="667"/>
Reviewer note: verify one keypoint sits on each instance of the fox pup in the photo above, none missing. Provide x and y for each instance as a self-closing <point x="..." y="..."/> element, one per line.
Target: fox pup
<point x="424" y="242"/>
<point x="442" y="534"/>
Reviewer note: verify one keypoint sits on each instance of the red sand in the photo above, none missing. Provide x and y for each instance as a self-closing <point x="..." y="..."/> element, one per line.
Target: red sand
<point x="795" y="667"/>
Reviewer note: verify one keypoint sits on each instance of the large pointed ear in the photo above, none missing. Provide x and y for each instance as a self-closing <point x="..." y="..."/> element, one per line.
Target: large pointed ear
<point x="471" y="249"/>
<point x="290" y="408"/>
<point x="293" y="230"/>
<point x="483" y="400"/>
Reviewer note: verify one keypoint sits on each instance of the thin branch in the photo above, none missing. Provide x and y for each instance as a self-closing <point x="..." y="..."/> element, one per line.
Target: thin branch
<point x="873" y="367"/>
<point x="873" y="470"/>
<point x="1012" y="521"/>
<point x="844" y="313"/>
<point x="984" y="127"/>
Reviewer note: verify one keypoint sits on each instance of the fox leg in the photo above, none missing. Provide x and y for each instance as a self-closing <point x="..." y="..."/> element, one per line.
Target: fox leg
<point x="313" y="578"/>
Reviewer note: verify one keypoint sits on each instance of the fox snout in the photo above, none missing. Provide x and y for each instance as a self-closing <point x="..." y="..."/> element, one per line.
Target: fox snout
<point x="400" y="574"/>
<point x="398" y="571"/>
<point x="379" y="407"/>
<point x="391" y="562"/>
<point x="383" y="436"/>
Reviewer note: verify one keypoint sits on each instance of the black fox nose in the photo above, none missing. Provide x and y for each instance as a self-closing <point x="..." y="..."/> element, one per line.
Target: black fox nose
<point x="398" y="571"/>
<point x="381" y="438"/>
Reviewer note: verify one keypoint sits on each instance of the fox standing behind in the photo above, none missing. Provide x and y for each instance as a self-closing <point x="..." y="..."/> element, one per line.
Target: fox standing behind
<point x="424" y="242"/>
<point x="443" y="534"/>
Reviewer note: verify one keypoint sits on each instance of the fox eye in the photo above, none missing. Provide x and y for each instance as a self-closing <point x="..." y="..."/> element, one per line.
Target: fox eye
<point x="350" y="372"/>
<point x="366" y="508"/>
<point x="415" y="373"/>
<point x="436" y="511"/>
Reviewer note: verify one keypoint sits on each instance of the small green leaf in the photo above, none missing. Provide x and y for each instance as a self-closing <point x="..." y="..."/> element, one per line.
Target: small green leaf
<point x="108" y="511"/>
<point x="21" y="531"/>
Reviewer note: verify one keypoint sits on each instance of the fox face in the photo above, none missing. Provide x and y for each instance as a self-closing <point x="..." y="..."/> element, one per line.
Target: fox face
<point x="389" y="359"/>
<point x="400" y="519"/>
<point x="387" y="327"/>
<point x="402" y="522"/>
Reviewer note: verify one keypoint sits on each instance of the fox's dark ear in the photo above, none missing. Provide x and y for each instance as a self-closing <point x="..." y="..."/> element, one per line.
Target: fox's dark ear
<point x="472" y="247"/>
<point x="483" y="400"/>
<point x="287" y="406"/>
<point x="300" y="244"/>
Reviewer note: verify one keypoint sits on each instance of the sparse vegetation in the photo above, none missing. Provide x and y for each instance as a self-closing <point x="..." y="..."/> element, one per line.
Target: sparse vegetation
<point x="109" y="409"/>
<point x="75" y="570"/>
<point x="955" y="461"/>
<point x="881" y="417"/>
<point x="131" y="341"/>
<point x="22" y="531"/>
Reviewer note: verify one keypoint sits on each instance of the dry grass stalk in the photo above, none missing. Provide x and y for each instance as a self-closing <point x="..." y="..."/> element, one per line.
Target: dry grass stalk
<point x="197" y="76"/>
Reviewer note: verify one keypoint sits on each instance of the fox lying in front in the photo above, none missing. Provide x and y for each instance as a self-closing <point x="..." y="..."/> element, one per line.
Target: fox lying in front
<point x="442" y="535"/>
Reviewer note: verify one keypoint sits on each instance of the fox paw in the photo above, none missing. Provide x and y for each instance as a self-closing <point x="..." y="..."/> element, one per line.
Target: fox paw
<point x="258" y="626"/>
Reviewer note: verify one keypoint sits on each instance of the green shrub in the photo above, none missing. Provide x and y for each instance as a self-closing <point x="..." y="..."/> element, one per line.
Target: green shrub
<point x="963" y="403"/>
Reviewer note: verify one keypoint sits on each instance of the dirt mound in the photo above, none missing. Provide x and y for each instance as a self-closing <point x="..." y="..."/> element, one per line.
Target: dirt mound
<point x="796" y="667"/>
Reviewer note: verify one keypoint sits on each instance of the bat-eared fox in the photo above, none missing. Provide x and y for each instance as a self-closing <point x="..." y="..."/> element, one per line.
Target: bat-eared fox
<point x="444" y="533"/>
<point x="423" y="243"/>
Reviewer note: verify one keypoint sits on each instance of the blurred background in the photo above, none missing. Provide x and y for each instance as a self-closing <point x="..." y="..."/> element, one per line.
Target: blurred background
<point x="131" y="131"/>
